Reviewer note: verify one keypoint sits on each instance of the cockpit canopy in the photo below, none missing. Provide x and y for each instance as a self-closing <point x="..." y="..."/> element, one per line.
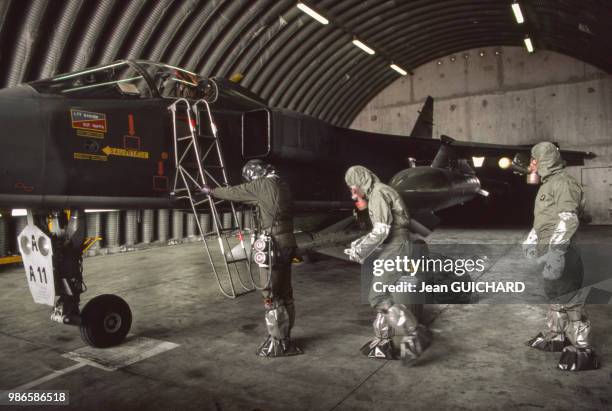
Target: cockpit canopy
<point x="125" y="79"/>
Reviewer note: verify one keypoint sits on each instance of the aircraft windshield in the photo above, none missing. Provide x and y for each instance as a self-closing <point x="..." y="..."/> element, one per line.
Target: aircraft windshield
<point x="117" y="80"/>
<point x="173" y="82"/>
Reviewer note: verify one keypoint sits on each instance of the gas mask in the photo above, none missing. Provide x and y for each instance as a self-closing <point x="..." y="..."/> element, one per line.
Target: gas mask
<point x="533" y="177"/>
<point x="521" y="164"/>
<point x="359" y="198"/>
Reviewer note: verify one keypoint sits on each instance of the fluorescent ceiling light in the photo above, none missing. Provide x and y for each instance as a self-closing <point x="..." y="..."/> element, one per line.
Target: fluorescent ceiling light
<point x="363" y="47"/>
<point x="478" y="161"/>
<point x="529" y="44"/>
<point x="312" y="13"/>
<point x="19" y="212"/>
<point x="398" y="69"/>
<point x="518" y="14"/>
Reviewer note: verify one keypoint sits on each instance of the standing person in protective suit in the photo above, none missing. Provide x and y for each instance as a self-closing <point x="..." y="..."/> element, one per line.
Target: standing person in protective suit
<point x="559" y="202"/>
<point x="388" y="239"/>
<point x="270" y="194"/>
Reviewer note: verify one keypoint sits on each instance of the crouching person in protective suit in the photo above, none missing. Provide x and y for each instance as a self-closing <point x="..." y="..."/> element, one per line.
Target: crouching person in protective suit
<point x="551" y="242"/>
<point x="388" y="239"/>
<point x="266" y="190"/>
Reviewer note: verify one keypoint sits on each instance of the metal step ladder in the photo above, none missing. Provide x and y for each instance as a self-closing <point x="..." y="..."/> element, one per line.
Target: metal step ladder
<point x="199" y="161"/>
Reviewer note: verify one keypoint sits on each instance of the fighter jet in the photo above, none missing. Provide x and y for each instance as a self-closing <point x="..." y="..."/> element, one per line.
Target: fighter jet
<point x="140" y="134"/>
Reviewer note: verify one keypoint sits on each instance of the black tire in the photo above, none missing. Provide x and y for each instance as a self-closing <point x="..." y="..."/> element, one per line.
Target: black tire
<point x="105" y="321"/>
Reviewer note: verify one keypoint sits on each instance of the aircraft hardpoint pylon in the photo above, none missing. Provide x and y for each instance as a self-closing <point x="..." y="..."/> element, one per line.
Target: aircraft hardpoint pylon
<point x="199" y="161"/>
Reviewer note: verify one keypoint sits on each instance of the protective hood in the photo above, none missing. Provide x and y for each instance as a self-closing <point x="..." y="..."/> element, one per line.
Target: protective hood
<point x="361" y="177"/>
<point x="549" y="158"/>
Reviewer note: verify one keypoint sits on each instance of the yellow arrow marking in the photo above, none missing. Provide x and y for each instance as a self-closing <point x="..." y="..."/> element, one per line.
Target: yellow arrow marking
<point x="122" y="152"/>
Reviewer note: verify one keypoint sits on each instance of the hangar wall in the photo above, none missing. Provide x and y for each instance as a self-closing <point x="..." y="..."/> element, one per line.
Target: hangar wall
<point x="511" y="97"/>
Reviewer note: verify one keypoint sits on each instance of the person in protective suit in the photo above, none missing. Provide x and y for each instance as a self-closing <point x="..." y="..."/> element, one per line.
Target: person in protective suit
<point x="388" y="239"/>
<point x="552" y="243"/>
<point x="272" y="197"/>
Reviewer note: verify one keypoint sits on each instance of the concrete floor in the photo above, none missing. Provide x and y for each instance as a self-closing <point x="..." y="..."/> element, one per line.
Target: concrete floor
<point x="477" y="360"/>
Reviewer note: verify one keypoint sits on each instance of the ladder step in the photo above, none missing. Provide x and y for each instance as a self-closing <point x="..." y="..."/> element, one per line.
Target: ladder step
<point x="193" y="165"/>
<point x="227" y="230"/>
<point x="207" y="137"/>
<point x="240" y="260"/>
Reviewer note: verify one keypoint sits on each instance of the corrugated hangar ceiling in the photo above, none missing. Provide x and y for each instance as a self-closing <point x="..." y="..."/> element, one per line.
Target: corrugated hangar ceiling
<point x="284" y="55"/>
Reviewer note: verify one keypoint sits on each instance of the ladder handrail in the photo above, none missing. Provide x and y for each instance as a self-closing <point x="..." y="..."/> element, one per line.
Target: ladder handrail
<point x="214" y="130"/>
<point x="196" y="180"/>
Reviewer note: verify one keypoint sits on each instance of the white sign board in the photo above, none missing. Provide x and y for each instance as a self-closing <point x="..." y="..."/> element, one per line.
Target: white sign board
<point x="37" y="255"/>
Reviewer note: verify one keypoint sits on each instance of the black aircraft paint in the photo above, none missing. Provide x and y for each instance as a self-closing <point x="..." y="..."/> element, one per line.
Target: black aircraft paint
<point x="102" y="138"/>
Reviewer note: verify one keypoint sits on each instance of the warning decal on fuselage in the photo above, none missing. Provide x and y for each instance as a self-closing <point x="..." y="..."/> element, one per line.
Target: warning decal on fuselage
<point x="89" y="134"/>
<point x="88" y="120"/>
<point x="88" y="156"/>
<point x="122" y="152"/>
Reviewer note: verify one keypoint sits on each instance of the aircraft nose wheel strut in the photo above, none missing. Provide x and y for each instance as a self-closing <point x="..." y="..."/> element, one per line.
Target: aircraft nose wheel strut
<point x="51" y="247"/>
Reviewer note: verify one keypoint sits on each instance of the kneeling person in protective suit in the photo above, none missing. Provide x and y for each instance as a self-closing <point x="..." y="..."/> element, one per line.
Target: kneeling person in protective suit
<point x="266" y="190"/>
<point x="388" y="239"/>
<point x="559" y="202"/>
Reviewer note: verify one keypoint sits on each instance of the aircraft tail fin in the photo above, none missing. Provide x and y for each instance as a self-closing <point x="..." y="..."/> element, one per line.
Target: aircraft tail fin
<point x="423" y="127"/>
<point x="446" y="157"/>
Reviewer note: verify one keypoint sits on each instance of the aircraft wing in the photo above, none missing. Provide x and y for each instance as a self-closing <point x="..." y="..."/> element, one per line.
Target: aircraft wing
<point x="467" y="149"/>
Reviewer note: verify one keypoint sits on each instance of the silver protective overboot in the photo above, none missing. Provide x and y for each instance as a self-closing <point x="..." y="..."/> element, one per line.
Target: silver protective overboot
<point x="553" y="337"/>
<point x="579" y="355"/>
<point x="382" y="345"/>
<point x="416" y="337"/>
<point x="397" y="318"/>
<point x="279" y="344"/>
<point x="578" y="359"/>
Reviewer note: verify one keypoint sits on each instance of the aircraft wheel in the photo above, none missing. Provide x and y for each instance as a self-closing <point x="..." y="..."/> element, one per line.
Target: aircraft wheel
<point x="105" y="321"/>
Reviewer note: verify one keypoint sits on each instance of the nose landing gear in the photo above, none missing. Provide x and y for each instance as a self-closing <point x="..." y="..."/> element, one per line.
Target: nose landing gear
<point x="51" y="248"/>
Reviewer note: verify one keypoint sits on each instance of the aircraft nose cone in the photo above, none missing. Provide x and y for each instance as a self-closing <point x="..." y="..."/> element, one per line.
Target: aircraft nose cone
<point x="19" y="111"/>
